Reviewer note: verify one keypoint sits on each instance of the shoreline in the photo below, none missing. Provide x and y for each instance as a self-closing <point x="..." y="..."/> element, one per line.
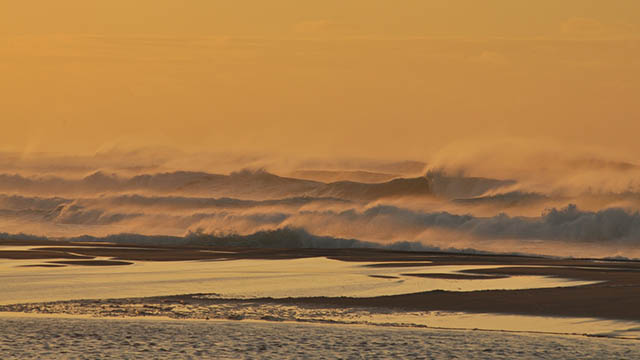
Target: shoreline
<point x="612" y="295"/>
<point x="317" y="323"/>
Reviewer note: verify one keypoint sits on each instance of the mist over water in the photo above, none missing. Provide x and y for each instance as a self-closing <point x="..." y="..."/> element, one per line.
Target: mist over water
<point x="497" y="201"/>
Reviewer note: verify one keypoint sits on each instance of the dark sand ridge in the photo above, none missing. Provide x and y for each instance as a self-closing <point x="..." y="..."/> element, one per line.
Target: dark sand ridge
<point x="616" y="297"/>
<point x="456" y="276"/>
<point x="91" y="262"/>
<point x="388" y="258"/>
<point x="126" y="252"/>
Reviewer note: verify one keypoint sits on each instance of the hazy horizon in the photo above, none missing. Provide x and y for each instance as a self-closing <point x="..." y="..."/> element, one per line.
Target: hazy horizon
<point x="329" y="79"/>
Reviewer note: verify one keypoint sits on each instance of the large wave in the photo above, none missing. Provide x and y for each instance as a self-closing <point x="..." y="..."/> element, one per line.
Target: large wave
<point x="564" y="207"/>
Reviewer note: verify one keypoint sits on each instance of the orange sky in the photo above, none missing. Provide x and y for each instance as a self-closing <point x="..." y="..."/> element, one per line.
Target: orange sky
<point x="349" y="78"/>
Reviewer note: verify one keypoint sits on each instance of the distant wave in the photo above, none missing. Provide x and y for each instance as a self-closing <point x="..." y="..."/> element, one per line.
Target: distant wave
<point x="507" y="199"/>
<point x="255" y="185"/>
<point x="368" y="192"/>
<point x="18" y="202"/>
<point x="454" y="187"/>
<point x="194" y="203"/>
<point x="329" y="176"/>
<point x="329" y="216"/>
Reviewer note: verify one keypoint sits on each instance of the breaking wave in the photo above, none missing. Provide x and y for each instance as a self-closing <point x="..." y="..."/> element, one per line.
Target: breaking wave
<point x="571" y="206"/>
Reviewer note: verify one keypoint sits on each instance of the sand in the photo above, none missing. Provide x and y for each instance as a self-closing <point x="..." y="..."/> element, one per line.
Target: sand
<point x="51" y="338"/>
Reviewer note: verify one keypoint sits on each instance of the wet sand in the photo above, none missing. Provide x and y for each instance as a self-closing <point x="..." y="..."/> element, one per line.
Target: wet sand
<point x="81" y="338"/>
<point x="91" y="262"/>
<point x="457" y="276"/>
<point x="615" y="296"/>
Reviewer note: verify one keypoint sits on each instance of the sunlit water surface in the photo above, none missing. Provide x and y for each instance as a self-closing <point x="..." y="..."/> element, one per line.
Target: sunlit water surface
<point x="240" y="279"/>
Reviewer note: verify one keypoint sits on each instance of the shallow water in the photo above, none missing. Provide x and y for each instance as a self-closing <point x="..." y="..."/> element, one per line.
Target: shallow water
<point x="239" y="279"/>
<point x="248" y="310"/>
<point x="55" y="338"/>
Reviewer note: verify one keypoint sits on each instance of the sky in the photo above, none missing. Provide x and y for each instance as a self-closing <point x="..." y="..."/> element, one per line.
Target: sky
<point x="365" y="78"/>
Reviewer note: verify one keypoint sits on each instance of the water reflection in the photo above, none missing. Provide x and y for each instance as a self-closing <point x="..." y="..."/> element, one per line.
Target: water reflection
<point x="241" y="279"/>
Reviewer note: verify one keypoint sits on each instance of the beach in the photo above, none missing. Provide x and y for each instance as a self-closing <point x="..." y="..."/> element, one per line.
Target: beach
<point x="62" y="338"/>
<point x="366" y="287"/>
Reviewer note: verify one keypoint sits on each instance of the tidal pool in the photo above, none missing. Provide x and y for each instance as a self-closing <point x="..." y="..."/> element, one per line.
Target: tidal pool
<point x="241" y="279"/>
